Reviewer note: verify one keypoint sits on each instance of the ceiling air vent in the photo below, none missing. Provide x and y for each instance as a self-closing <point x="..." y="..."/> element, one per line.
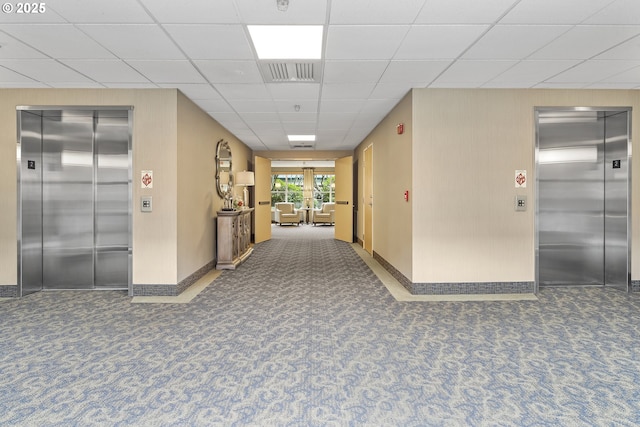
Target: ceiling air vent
<point x="291" y="72"/>
<point x="302" y="146"/>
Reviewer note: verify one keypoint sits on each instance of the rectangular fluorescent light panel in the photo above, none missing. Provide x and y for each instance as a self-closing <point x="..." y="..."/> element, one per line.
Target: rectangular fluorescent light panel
<point x="287" y="41"/>
<point x="301" y="138"/>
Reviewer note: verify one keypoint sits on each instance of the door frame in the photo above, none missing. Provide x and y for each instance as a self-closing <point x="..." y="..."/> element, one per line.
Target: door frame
<point x="367" y="204"/>
<point x="537" y="110"/>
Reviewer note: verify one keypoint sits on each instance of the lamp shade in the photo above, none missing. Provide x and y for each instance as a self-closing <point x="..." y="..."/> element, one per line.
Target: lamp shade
<point x="245" y="178"/>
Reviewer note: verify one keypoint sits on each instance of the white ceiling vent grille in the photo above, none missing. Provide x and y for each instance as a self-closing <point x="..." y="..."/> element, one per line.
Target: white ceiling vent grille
<point x="291" y="72"/>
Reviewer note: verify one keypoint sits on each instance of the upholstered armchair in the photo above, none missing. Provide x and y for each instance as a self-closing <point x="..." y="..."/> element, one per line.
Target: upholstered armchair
<point x="326" y="214"/>
<point x="286" y="213"/>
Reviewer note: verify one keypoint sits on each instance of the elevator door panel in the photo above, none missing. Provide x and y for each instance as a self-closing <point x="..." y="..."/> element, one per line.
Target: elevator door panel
<point x="616" y="201"/>
<point x="570" y="201"/>
<point x="30" y="203"/>
<point x="67" y="200"/>
<point x="112" y="199"/>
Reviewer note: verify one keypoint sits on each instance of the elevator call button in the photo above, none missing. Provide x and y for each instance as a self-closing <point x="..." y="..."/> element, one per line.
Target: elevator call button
<point x="616" y="164"/>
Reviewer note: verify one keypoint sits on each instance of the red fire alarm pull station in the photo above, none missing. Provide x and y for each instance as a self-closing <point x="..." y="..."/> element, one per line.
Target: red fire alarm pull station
<point x="406" y="196"/>
<point x="400" y="128"/>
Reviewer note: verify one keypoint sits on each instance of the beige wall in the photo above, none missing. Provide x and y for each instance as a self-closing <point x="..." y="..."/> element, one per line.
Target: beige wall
<point x="467" y="145"/>
<point x="392" y="176"/>
<point x="198" y="200"/>
<point x="172" y="137"/>
<point x="458" y="158"/>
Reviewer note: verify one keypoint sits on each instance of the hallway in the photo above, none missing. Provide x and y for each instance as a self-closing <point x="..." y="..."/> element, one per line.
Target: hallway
<point x="304" y="334"/>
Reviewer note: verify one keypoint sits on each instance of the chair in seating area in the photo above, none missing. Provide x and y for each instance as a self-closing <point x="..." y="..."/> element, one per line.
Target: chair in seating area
<point x="286" y="213"/>
<point x="326" y="214"/>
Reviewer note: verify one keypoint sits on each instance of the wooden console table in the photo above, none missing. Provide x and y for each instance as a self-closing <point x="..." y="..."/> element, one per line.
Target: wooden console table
<point x="234" y="238"/>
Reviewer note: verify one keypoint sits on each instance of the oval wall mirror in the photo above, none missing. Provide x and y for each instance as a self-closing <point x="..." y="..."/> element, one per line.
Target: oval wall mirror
<point x="224" y="177"/>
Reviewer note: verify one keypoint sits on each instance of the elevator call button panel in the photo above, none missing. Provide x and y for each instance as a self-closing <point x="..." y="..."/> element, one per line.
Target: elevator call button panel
<point x="521" y="203"/>
<point x="146" y="205"/>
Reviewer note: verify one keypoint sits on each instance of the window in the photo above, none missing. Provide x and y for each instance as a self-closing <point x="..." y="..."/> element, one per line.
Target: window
<point x="325" y="188"/>
<point x="290" y="188"/>
<point x="287" y="188"/>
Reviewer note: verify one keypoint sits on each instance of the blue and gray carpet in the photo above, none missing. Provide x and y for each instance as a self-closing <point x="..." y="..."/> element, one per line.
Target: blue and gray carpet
<point x="304" y="334"/>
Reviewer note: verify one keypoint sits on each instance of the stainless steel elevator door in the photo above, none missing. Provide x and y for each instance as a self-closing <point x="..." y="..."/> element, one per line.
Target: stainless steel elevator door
<point x="581" y="203"/>
<point x="30" y="203"/>
<point x="67" y="199"/>
<point x="616" y="166"/>
<point x="74" y="178"/>
<point x="112" y="199"/>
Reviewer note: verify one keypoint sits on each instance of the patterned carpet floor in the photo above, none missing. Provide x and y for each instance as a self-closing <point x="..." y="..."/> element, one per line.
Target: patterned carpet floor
<point x="304" y="334"/>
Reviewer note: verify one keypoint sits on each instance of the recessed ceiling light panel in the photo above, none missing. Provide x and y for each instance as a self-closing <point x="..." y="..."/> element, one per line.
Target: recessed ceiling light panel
<point x="287" y="41"/>
<point x="301" y="138"/>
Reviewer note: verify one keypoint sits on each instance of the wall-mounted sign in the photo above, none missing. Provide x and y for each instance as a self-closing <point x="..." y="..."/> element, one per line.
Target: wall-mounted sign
<point x="521" y="179"/>
<point x="146" y="179"/>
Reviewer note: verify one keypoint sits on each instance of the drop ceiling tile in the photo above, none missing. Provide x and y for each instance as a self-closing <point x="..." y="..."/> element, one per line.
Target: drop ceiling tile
<point x="549" y="85"/>
<point x="58" y="41"/>
<point x="212" y="41"/>
<point x="335" y="120"/>
<point x="341" y="105"/>
<point x="631" y="76"/>
<point x="76" y="85"/>
<point x="528" y="73"/>
<point x="619" y="12"/>
<point x="306" y="12"/>
<point x="45" y="70"/>
<point x="593" y="71"/>
<point x="364" y="42"/>
<point x="347" y="90"/>
<point x="253" y="105"/>
<point x="354" y="71"/>
<point x="514" y="41"/>
<point x="195" y="91"/>
<point x="134" y="41"/>
<point x="168" y="71"/>
<point x="288" y="117"/>
<point x="228" y="119"/>
<point x="9" y="76"/>
<point x="627" y="50"/>
<point x="610" y="86"/>
<point x="107" y="70"/>
<point x="472" y="72"/>
<point x="294" y="90"/>
<point x="475" y="12"/>
<point x="195" y="11"/>
<point x="131" y="85"/>
<point x="299" y="128"/>
<point x="586" y="41"/>
<point x="214" y="106"/>
<point x="378" y="107"/>
<point x="438" y="41"/>
<point x="420" y="72"/>
<point x="230" y="71"/>
<point x="243" y="91"/>
<point x="375" y="11"/>
<point x="11" y="48"/>
<point x="26" y="85"/>
<point x="112" y="11"/>
<point x="48" y="17"/>
<point x="307" y="106"/>
<point x="553" y="11"/>
<point x="391" y="90"/>
<point x="260" y="117"/>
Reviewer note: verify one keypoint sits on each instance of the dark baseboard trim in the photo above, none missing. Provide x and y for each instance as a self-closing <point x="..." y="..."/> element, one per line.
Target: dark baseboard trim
<point x="171" y="290"/>
<point x="635" y="286"/>
<point x="456" y="288"/>
<point x="9" y="291"/>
